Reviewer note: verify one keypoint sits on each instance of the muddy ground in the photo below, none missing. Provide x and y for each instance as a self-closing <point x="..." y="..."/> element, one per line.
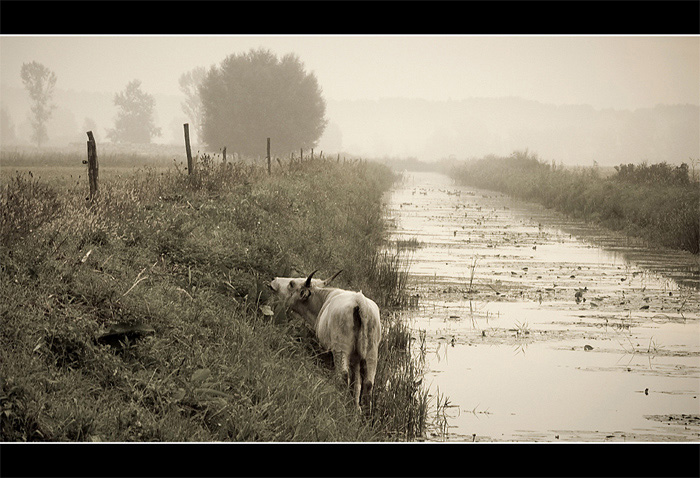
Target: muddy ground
<point x="541" y="328"/>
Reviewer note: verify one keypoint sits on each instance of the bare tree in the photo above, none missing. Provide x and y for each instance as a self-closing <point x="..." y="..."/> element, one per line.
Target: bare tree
<point x="39" y="82"/>
<point x="192" y="106"/>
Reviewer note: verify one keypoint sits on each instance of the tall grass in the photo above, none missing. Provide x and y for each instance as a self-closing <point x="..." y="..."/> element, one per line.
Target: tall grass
<point x="189" y="257"/>
<point x="399" y="379"/>
<point x="661" y="207"/>
<point x="388" y="270"/>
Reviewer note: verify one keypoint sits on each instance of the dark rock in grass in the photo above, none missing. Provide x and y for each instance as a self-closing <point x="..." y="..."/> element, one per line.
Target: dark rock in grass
<point x="121" y="333"/>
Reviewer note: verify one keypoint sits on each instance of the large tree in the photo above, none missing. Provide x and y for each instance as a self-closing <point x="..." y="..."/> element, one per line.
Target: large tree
<point x="39" y="82"/>
<point x="255" y="95"/>
<point x="134" y="123"/>
<point x="192" y="106"/>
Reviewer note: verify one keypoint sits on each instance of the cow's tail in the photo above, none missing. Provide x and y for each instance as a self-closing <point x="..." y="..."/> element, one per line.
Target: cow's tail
<point x="362" y="326"/>
<point x="357" y="329"/>
<point x="364" y="329"/>
<point x="361" y="331"/>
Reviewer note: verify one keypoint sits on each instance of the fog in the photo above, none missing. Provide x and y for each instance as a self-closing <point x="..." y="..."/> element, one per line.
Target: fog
<point x="573" y="99"/>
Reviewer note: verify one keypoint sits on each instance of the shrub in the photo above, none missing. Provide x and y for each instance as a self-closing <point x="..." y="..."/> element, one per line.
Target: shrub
<point x="657" y="202"/>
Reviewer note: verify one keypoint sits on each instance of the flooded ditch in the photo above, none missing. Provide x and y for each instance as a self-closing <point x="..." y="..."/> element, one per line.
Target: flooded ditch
<point x="541" y="328"/>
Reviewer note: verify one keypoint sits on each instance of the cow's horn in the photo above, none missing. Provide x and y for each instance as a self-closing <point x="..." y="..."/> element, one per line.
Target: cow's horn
<point x="308" y="279"/>
<point x="328" y="281"/>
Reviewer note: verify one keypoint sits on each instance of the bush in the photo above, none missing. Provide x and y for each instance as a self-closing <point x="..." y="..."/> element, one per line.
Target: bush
<point x="657" y="202"/>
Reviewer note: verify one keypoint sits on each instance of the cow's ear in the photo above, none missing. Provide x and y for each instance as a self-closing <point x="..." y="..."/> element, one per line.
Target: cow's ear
<point x="304" y="293"/>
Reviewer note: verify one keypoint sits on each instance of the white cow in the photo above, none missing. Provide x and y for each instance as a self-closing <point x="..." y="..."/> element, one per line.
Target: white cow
<point x="346" y="323"/>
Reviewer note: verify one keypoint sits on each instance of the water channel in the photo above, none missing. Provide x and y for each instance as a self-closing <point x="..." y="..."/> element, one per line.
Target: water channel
<point x="541" y="328"/>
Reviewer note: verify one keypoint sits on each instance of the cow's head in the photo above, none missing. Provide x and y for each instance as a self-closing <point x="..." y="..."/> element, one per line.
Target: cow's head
<point x="292" y="291"/>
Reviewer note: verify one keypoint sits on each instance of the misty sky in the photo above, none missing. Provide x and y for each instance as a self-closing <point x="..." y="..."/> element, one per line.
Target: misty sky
<point x="622" y="72"/>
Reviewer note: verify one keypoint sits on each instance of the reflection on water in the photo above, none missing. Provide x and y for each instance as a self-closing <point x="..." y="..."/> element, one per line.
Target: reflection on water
<point x="535" y="332"/>
<point x="545" y="391"/>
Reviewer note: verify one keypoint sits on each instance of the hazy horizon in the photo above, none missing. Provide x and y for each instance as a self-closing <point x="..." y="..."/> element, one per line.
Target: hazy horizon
<point x="623" y="72"/>
<point x="604" y="72"/>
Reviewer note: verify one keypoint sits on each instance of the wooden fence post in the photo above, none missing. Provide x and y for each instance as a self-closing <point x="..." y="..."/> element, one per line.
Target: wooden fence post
<point x="190" y="165"/>
<point x="93" y="167"/>
<point x="301" y="155"/>
<point x="269" y="163"/>
<point x="224" y="153"/>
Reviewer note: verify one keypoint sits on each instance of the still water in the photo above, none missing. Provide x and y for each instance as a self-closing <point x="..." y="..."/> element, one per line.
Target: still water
<point x="541" y="328"/>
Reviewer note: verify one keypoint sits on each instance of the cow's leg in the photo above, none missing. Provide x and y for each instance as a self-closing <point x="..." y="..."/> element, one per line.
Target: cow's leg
<point x="342" y="369"/>
<point x="357" y="385"/>
<point x="368" y="369"/>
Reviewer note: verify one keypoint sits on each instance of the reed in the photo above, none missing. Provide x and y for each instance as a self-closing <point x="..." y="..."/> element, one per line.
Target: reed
<point x="401" y="393"/>
<point x="658" y="203"/>
<point x="388" y="273"/>
<point x="410" y="244"/>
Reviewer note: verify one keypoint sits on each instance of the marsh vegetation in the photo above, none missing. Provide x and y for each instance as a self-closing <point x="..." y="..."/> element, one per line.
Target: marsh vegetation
<point x="658" y="202"/>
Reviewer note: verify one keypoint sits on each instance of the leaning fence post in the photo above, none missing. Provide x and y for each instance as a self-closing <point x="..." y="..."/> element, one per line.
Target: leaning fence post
<point x="190" y="165"/>
<point x="93" y="167"/>
<point x="269" y="164"/>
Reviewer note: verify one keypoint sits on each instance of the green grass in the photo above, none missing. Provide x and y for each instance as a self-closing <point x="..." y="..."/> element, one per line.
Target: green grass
<point x="663" y="211"/>
<point x="190" y="257"/>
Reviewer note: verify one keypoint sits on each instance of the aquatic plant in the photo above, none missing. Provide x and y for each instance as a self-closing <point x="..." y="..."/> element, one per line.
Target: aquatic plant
<point x="472" y="269"/>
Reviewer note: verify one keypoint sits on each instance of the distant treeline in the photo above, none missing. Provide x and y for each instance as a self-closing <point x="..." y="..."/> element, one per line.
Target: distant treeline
<point x="409" y="164"/>
<point x="659" y="203"/>
<point x="656" y="173"/>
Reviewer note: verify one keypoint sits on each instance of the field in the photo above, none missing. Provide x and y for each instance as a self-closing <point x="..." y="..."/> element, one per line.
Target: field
<point x="146" y="316"/>
<point x="657" y="203"/>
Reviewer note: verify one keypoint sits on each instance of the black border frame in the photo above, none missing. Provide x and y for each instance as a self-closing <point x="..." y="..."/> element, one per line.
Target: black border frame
<point x="512" y="17"/>
<point x="356" y="18"/>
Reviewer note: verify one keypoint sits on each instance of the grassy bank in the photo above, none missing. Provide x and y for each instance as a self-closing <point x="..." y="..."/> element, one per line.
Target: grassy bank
<point x="175" y="268"/>
<point x="657" y="203"/>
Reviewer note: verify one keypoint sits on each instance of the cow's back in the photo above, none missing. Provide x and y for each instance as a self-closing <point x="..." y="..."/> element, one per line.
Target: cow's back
<point x="335" y="319"/>
<point x="336" y="324"/>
